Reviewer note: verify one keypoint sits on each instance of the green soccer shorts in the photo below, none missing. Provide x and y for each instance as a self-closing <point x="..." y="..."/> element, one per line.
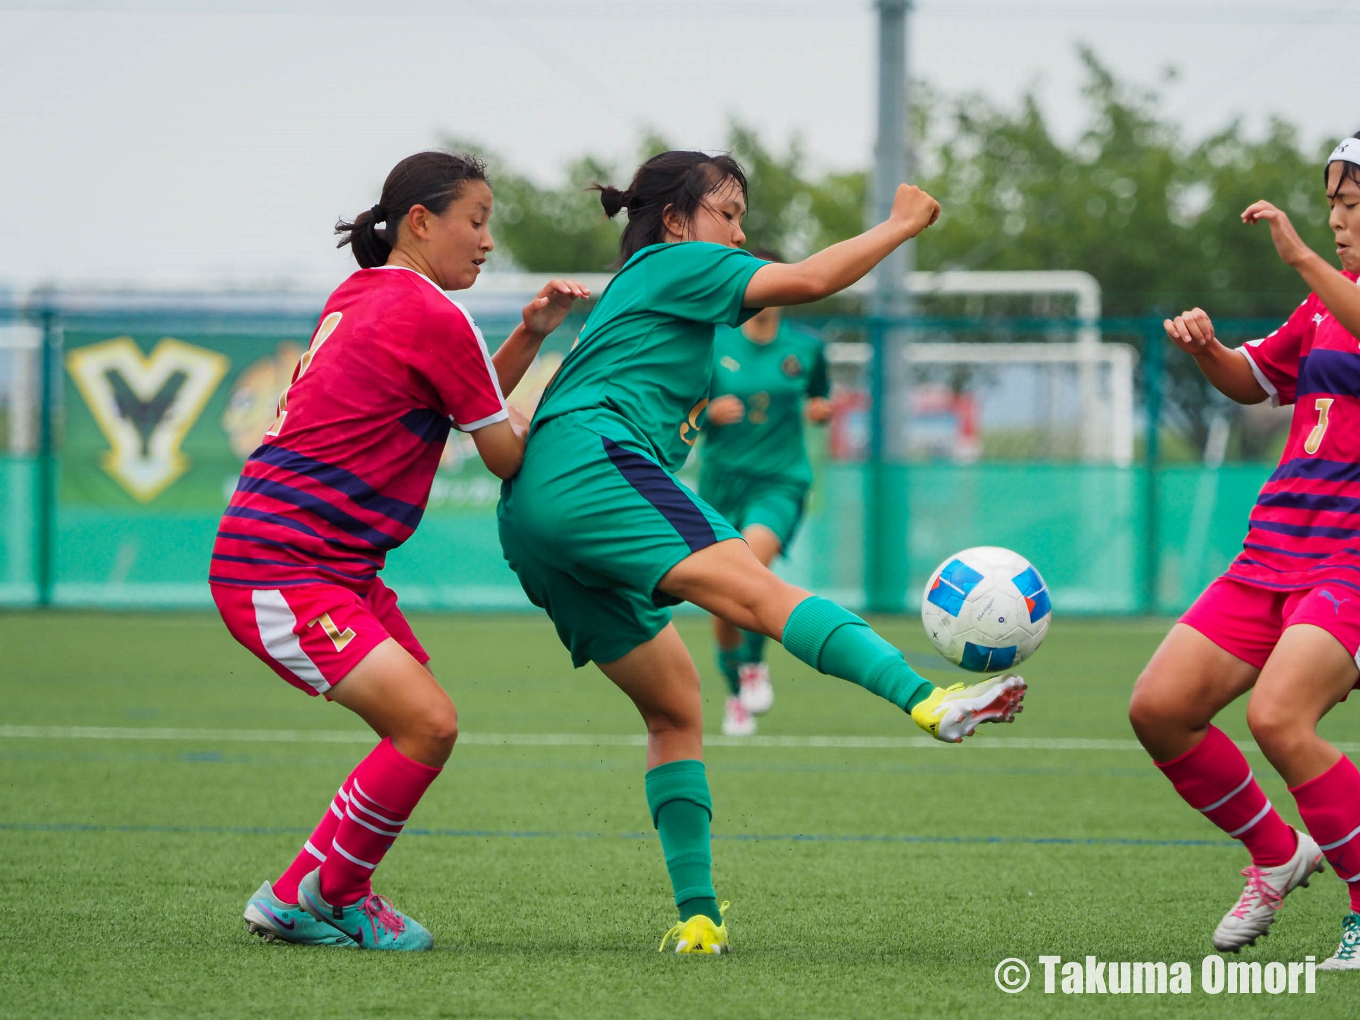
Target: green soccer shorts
<point x="745" y="500"/>
<point x="591" y="524"/>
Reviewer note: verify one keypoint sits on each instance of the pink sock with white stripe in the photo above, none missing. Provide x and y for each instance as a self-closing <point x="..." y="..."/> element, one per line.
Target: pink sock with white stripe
<point x="314" y="851"/>
<point x="1330" y="807"/>
<point x="1214" y="778"/>
<point x="383" y="791"/>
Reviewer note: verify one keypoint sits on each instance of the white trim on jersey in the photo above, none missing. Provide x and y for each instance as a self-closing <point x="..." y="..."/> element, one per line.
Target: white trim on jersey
<point x="275" y="622"/>
<point x="481" y="423"/>
<point x="490" y="419"/>
<point x="503" y="413"/>
<point x="1266" y="384"/>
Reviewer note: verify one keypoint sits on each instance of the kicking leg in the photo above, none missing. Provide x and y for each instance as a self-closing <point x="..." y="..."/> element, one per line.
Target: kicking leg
<point x="728" y="581"/>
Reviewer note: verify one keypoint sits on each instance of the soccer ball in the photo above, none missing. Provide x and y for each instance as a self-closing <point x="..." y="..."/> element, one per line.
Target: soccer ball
<point x="986" y="609"/>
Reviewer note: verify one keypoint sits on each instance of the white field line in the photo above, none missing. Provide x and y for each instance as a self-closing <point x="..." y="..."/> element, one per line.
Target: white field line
<point x="983" y="741"/>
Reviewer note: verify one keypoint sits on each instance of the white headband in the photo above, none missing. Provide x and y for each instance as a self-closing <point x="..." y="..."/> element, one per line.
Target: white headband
<point x="1349" y="150"/>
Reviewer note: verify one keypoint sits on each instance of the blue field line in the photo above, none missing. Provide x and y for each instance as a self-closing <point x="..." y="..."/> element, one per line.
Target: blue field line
<point x="735" y="837"/>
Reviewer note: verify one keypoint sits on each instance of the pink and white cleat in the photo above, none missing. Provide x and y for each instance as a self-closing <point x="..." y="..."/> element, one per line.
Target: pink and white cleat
<point x="757" y="693"/>
<point x="1264" y="895"/>
<point x="737" y="722"/>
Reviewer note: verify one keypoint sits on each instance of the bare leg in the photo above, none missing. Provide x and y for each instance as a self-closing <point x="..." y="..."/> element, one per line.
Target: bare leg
<point x="1174" y="702"/>
<point x="401" y="699"/>
<point x="1308" y="673"/>
<point x="660" y="678"/>
<point x="765" y="546"/>
<point x="729" y="581"/>
<point x="1188" y="681"/>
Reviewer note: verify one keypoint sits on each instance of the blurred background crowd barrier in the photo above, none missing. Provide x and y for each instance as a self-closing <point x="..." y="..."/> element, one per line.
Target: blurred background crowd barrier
<point x="1005" y="410"/>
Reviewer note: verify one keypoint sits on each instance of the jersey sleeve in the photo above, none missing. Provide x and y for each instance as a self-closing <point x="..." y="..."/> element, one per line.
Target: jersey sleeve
<point x="819" y="382"/>
<point x="1274" y="359"/>
<point x="701" y="282"/>
<point x="451" y="356"/>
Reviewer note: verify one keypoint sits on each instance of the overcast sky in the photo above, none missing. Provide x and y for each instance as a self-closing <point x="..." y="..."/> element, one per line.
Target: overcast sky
<point x="217" y="141"/>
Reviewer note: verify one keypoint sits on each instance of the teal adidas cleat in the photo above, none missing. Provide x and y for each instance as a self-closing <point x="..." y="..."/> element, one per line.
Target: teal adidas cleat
<point x="372" y="923"/>
<point x="273" y="920"/>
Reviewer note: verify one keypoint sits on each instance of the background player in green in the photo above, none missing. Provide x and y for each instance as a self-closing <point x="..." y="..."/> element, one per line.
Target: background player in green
<point x="755" y="472"/>
<point x="604" y="538"/>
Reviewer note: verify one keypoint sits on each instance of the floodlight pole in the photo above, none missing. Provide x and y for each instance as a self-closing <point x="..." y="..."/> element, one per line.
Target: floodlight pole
<point x="885" y="510"/>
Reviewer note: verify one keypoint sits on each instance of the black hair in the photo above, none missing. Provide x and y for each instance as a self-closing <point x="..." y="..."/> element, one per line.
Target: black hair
<point x="676" y="180"/>
<point x="1349" y="170"/>
<point x="432" y="179"/>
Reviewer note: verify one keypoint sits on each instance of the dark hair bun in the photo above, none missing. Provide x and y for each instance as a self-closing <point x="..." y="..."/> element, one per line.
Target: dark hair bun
<point x="432" y="179"/>
<point x="613" y="200"/>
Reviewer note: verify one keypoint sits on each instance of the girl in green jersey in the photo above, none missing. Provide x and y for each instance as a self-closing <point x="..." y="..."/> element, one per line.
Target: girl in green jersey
<point x="767" y="377"/>
<point x="604" y="538"/>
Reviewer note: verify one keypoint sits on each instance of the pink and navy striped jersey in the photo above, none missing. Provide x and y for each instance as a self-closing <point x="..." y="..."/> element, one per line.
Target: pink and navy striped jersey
<point x="344" y="473"/>
<point x="1305" y="527"/>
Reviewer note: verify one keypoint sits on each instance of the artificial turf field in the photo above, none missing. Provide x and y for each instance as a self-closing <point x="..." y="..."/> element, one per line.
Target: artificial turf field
<point x="870" y="873"/>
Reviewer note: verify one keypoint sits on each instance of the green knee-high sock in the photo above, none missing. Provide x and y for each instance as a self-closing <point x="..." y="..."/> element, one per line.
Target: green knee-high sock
<point x="836" y="641"/>
<point x="678" y="797"/>
<point x="753" y="646"/>
<point x="729" y="664"/>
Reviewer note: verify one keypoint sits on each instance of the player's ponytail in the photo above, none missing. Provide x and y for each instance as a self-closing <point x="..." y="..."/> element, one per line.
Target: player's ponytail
<point x="432" y="179"/>
<point x="676" y="181"/>
<point x="370" y="248"/>
<point x="612" y="199"/>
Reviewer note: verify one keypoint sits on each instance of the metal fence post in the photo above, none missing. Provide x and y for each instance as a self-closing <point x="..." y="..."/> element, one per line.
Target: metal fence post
<point x="874" y="482"/>
<point x="45" y="496"/>
<point x="1154" y="362"/>
<point x="887" y="518"/>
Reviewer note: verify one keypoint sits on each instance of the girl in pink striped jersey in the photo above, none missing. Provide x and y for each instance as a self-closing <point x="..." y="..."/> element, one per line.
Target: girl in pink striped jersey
<point x="341" y="478"/>
<point x="1284" y="621"/>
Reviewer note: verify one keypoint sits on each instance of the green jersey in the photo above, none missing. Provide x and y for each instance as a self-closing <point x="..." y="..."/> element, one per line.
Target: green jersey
<point x="772" y="380"/>
<point x="644" y="357"/>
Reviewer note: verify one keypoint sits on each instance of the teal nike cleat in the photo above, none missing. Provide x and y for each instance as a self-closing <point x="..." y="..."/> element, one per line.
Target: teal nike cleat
<point x="273" y="920"/>
<point x="1347" y="955"/>
<point x="372" y="923"/>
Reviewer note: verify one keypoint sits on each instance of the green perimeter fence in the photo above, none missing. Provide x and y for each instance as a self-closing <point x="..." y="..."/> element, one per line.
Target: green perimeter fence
<point x="127" y="423"/>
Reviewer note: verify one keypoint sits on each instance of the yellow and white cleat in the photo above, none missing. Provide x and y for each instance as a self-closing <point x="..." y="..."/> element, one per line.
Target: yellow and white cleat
<point x="699" y="935"/>
<point x="953" y="713"/>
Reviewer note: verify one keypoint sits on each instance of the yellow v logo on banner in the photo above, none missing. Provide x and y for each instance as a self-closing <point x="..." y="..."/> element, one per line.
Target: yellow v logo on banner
<point x="145" y="406"/>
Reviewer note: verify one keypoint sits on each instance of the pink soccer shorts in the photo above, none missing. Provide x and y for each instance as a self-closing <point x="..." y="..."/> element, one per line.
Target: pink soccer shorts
<point x="312" y="635"/>
<point x="1247" y="621"/>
